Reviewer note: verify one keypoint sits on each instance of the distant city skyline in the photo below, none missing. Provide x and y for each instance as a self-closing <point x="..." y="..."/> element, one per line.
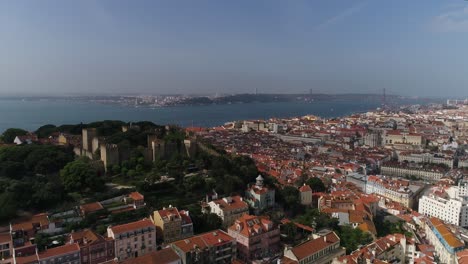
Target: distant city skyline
<point x="410" y="48"/>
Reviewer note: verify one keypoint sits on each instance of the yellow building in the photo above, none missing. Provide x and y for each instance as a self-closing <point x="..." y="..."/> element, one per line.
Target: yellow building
<point x="173" y="224"/>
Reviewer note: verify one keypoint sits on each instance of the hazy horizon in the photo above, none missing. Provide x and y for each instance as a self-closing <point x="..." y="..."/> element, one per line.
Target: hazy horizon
<point x="410" y="48"/>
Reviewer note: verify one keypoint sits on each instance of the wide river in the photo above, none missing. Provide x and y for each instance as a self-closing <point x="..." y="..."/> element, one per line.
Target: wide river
<point x="32" y="114"/>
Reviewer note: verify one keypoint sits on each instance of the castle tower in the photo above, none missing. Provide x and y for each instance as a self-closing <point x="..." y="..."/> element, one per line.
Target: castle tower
<point x="88" y="134"/>
<point x="109" y="155"/>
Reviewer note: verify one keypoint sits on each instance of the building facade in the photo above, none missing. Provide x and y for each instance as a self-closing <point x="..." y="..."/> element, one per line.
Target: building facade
<point x="133" y="239"/>
<point x="401" y="191"/>
<point x="94" y="248"/>
<point x="305" y="195"/>
<point x="449" y="205"/>
<point x="229" y="209"/>
<point x="173" y="224"/>
<point x="256" y="236"/>
<point x="446" y="244"/>
<point x="260" y="197"/>
<point x="420" y="173"/>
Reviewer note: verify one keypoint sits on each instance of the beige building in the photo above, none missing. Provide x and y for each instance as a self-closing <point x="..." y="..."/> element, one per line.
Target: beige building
<point x="305" y="195"/>
<point x="173" y="224"/>
<point x="400" y="170"/>
<point x="400" y="137"/>
<point x="228" y="209"/>
<point x="133" y="239"/>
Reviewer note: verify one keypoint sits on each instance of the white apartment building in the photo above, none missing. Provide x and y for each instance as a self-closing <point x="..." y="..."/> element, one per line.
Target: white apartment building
<point x="229" y="209"/>
<point x="449" y="205"/>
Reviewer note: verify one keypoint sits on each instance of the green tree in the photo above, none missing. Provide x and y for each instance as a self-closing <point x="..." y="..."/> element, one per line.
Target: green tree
<point x="81" y="175"/>
<point x="290" y="195"/>
<point x="9" y="135"/>
<point x="8" y="205"/>
<point x="316" y="184"/>
<point x="352" y="238"/>
<point x="45" y="131"/>
<point x="206" y="222"/>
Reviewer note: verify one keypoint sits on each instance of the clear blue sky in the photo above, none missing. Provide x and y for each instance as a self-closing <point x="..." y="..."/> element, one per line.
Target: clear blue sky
<point x="209" y="46"/>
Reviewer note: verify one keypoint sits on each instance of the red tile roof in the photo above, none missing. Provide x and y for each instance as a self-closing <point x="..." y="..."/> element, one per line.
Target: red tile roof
<point x="312" y="246"/>
<point x="305" y="188"/>
<point x="136" y="196"/>
<point x="145" y="223"/>
<point x="91" y="207"/>
<point x="163" y="256"/>
<point x="234" y="202"/>
<point x="209" y="239"/>
<point x="59" y="251"/>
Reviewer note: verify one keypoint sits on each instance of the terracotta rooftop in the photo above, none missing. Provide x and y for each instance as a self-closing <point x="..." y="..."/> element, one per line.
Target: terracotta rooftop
<point x="145" y="223"/>
<point x="231" y="203"/>
<point x="305" y="188"/>
<point x="167" y="212"/>
<point x="91" y="207"/>
<point x="163" y="256"/>
<point x="59" y="251"/>
<point x="249" y="225"/>
<point x="39" y="219"/>
<point x="205" y="240"/>
<point x="448" y="236"/>
<point x="136" y="196"/>
<point x="312" y="246"/>
<point x="87" y="235"/>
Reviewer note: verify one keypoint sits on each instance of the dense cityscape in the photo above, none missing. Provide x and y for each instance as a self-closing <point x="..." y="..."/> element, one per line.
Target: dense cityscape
<point x="385" y="186"/>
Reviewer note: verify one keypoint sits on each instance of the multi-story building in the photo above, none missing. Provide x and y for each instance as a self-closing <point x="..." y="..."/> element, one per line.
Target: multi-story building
<point x="421" y="172"/>
<point x="173" y="224"/>
<point x="66" y="254"/>
<point x="256" y="236"/>
<point x="436" y="158"/>
<point x="373" y="139"/>
<point x="446" y="244"/>
<point x="260" y="197"/>
<point x="400" y="137"/>
<point x="450" y="205"/>
<point x="401" y="191"/>
<point x="322" y="249"/>
<point x="228" y="208"/>
<point x="94" y="248"/>
<point x="215" y="247"/>
<point x="133" y="239"/>
<point x="6" y="248"/>
<point x="305" y="195"/>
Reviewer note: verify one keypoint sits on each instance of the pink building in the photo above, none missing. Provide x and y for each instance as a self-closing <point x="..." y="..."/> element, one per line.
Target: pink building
<point x="133" y="239"/>
<point x="256" y="237"/>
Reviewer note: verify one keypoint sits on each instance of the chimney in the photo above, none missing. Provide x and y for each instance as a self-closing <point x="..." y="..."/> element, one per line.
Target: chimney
<point x="325" y="238"/>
